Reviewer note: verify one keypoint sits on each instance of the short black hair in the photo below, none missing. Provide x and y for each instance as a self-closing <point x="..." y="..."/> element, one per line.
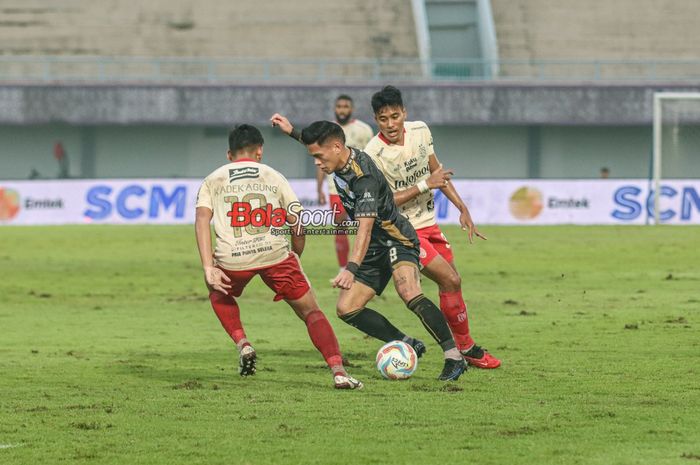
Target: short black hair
<point x="389" y="96"/>
<point x="244" y="136"/>
<point x="320" y="131"/>
<point x="344" y="97"/>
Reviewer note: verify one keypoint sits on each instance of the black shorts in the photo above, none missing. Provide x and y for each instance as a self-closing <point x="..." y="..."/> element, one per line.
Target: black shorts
<point x="376" y="269"/>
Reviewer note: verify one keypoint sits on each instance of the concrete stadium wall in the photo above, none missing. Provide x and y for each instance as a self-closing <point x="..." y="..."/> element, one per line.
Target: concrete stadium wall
<point x="474" y="152"/>
<point x="134" y="151"/>
<point x="444" y="104"/>
<point x="481" y="131"/>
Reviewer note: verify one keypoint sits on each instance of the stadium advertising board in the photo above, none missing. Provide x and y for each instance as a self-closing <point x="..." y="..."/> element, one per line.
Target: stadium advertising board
<point x="509" y="202"/>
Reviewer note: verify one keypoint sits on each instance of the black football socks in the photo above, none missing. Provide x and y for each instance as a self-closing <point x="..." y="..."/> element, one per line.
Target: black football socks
<point x="434" y="321"/>
<point x="374" y="324"/>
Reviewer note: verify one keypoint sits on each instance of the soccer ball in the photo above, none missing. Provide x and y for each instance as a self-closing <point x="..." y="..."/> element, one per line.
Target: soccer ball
<point x="397" y="360"/>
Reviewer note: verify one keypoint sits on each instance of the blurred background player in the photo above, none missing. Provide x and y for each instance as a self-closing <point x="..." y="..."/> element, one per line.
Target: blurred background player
<point x="386" y="246"/>
<point x="403" y="151"/>
<point x="244" y="251"/>
<point x="357" y="134"/>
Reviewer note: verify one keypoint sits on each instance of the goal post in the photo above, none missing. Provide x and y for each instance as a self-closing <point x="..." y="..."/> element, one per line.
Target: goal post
<point x="682" y="114"/>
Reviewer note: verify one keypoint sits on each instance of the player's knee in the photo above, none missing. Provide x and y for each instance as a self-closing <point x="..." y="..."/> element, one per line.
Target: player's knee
<point x="452" y="283"/>
<point x="343" y="309"/>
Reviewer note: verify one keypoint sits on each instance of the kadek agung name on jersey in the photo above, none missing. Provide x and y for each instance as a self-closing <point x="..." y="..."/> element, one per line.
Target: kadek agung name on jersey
<point x="243" y="215"/>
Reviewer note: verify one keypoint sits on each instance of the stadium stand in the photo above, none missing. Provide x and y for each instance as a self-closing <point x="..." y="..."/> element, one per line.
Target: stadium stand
<point x="602" y="31"/>
<point x="298" y="31"/>
<point x="208" y="28"/>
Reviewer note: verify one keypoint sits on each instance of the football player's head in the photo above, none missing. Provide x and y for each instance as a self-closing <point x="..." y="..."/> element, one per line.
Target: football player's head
<point x="389" y="113"/>
<point x="343" y="109"/>
<point x="245" y="141"/>
<point x="325" y="141"/>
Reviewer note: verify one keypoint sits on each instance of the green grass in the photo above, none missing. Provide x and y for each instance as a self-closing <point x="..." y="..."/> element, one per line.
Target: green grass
<point x="110" y="354"/>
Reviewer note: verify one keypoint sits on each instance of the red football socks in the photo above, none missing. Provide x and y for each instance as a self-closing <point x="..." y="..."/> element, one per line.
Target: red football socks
<point x="323" y="337"/>
<point x="342" y="249"/>
<point x="455" y="311"/>
<point x="229" y="314"/>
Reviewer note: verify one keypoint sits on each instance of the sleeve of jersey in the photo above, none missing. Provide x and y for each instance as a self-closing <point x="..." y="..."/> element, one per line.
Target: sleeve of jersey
<point x="204" y="197"/>
<point x="287" y="195"/>
<point x="370" y="148"/>
<point x="366" y="191"/>
<point x="429" y="140"/>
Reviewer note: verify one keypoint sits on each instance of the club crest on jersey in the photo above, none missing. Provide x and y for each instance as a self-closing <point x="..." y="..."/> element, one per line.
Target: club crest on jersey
<point x="246" y="172"/>
<point x="422" y="150"/>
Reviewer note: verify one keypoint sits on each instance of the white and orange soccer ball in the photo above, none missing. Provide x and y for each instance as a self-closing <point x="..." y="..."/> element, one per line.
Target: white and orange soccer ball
<point x="397" y="360"/>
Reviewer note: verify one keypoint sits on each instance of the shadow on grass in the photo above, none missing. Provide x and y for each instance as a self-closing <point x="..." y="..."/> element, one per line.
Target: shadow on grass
<point x="215" y="369"/>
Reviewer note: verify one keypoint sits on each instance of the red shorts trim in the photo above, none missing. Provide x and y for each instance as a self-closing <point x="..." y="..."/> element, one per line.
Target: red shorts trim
<point x="334" y="200"/>
<point x="286" y="279"/>
<point x="433" y="243"/>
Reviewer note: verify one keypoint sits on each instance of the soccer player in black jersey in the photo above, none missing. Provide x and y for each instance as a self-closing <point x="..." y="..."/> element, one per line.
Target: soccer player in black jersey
<point x="386" y="246"/>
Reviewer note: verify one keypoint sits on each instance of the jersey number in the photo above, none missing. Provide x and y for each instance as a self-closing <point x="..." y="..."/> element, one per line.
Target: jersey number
<point x="392" y="255"/>
<point x="249" y="228"/>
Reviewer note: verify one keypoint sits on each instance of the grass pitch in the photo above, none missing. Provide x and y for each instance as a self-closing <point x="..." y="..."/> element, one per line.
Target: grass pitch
<point x="110" y="354"/>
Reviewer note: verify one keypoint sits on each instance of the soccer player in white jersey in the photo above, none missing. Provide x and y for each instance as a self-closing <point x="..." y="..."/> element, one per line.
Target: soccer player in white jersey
<point x="246" y="198"/>
<point x="357" y="134"/>
<point x="403" y="151"/>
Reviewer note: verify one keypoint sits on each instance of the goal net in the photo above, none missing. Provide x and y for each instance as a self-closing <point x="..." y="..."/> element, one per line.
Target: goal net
<point x="676" y="149"/>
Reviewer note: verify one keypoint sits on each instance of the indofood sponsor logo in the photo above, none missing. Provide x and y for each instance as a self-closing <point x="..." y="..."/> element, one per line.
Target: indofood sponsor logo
<point x="526" y="203"/>
<point x="9" y="204"/>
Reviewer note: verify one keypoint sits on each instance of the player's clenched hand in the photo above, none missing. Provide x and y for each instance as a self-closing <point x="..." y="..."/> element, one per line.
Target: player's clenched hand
<point x="344" y="280"/>
<point x="216" y="279"/>
<point x="321" y="197"/>
<point x="439" y="178"/>
<point x="282" y="123"/>
<point x="468" y="225"/>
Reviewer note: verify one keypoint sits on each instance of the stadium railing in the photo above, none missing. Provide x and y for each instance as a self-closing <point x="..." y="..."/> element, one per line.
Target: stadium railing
<point x="223" y="70"/>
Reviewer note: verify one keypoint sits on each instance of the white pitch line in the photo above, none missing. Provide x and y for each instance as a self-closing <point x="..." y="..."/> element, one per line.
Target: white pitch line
<point x="9" y="446"/>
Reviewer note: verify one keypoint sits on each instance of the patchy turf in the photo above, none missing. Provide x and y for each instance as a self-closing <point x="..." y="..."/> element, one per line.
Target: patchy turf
<point x="110" y="353"/>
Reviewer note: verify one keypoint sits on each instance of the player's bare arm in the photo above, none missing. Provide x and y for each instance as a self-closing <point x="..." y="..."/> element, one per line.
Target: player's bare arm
<point x="215" y="279"/>
<point x="438" y="178"/>
<point x="297" y="233"/>
<point x="465" y="218"/>
<point x="346" y="277"/>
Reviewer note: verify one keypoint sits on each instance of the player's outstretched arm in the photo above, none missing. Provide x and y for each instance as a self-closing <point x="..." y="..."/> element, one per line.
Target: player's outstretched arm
<point x="346" y="277"/>
<point x="465" y="218"/>
<point x="214" y="278"/>
<point x="281" y="122"/>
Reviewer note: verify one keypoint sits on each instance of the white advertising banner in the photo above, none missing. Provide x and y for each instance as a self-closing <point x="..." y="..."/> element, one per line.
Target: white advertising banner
<point x="509" y="202"/>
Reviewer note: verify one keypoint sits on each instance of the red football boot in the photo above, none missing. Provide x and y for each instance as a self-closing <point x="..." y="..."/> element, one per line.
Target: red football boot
<point x="480" y="358"/>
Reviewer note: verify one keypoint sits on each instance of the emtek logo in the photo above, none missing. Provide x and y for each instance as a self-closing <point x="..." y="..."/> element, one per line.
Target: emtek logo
<point x="135" y="201"/>
<point x="630" y="206"/>
<point x="247" y="172"/>
<point x="9" y="204"/>
<point x="526" y="203"/>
